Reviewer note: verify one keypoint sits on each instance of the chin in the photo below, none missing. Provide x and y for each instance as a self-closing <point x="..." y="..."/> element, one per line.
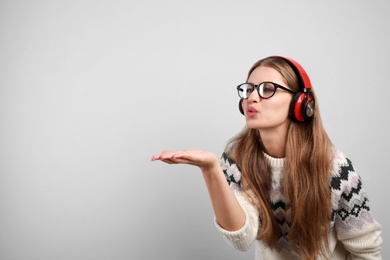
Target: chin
<point x="257" y="124"/>
<point x="254" y="125"/>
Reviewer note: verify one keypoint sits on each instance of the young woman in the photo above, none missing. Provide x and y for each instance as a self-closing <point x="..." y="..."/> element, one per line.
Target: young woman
<point x="280" y="181"/>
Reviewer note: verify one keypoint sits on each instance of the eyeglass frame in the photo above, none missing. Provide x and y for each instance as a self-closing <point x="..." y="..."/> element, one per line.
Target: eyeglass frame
<point x="276" y="85"/>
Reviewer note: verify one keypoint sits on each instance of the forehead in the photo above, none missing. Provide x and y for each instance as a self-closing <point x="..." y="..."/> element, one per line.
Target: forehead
<point x="262" y="73"/>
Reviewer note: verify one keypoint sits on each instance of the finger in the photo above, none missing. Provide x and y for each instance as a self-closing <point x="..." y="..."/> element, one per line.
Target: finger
<point x="175" y="157"/>
<point x="163" y="154"/>
<point x="186" y="156"/>
<point x="168" y="161"/>
<point x="155" y="157"/>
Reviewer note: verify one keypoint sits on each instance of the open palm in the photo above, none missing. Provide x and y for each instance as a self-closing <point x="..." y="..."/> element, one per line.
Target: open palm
<point x="202" y="159"/>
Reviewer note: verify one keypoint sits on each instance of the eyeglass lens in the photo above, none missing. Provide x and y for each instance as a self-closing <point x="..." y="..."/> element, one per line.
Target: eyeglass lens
<point x="265" y="90"/>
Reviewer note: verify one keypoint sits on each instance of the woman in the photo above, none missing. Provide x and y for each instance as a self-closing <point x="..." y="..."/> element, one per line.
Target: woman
<point x="280" y="182"/>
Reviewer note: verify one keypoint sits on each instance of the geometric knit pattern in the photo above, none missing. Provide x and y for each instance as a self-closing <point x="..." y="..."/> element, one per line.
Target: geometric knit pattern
<point x="233" y="176"/>
<point x="349" y="199"/>
<point x="350" y="209"/>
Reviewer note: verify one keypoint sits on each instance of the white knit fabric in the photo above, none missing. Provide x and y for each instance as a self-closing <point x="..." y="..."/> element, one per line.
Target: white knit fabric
<point x="354" y="232"/>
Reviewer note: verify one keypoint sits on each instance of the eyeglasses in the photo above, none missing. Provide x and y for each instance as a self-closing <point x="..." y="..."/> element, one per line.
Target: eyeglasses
<point x="265" y="89"/>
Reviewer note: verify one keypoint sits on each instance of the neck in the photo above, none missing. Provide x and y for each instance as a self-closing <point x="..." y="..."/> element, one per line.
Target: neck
<point x="274" y="142"/>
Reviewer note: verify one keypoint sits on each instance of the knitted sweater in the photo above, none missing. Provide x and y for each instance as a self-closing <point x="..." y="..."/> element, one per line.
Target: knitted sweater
<point x="354" y="232"/>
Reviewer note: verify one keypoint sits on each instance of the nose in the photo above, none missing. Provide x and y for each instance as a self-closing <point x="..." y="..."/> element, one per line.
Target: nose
<point x="254" y="96"/>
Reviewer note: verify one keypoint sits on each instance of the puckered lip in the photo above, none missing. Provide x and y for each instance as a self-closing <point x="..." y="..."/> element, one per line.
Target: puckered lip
<point x="251" y="109"/>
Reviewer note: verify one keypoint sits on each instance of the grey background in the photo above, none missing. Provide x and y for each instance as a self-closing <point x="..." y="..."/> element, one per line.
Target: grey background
<point x="90" y="90"/>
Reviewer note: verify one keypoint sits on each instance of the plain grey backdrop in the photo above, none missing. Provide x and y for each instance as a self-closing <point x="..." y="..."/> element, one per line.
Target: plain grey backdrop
<point x="90" y="90"/>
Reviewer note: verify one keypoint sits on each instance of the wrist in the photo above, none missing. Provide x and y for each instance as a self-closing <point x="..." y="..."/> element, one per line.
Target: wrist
<point x="211" y="168"/>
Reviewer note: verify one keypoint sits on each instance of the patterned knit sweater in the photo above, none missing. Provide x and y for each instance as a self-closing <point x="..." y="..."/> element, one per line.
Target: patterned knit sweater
<point x="354" y="232"/>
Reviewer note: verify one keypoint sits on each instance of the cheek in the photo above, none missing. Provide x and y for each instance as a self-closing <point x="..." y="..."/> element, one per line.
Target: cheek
<point x="279" y="109"/>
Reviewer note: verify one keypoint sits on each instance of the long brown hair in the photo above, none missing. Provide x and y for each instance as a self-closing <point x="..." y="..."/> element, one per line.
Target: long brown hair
<point x="306" y="182"/>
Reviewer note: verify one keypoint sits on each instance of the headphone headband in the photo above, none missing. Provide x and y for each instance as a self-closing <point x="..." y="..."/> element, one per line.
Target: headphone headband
<point x="303" y="77"/>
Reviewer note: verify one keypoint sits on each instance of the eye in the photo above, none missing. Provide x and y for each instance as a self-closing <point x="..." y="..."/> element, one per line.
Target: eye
<point x="249" y="88"/>
<point x="268" y="88"/>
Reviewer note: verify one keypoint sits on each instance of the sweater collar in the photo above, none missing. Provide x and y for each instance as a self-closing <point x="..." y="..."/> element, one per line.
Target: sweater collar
<point x="274" y="162"/>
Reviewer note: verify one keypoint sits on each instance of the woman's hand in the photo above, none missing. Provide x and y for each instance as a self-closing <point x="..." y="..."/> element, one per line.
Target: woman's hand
<point x="204" y="160"/>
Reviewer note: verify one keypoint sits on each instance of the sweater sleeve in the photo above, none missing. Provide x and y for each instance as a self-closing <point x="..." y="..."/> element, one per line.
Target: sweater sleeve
<point x="240" y="239"/>
<point x="356" y="228"/>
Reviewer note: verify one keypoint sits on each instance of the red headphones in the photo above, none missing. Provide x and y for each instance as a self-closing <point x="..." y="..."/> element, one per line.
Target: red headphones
<point x="302" y="104"/>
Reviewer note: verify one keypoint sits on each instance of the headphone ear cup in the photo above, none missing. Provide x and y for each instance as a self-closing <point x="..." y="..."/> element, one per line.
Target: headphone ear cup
<point x="240" y="106"/>
<point x="308" y="109"/>
<point x="302" y="107"/>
